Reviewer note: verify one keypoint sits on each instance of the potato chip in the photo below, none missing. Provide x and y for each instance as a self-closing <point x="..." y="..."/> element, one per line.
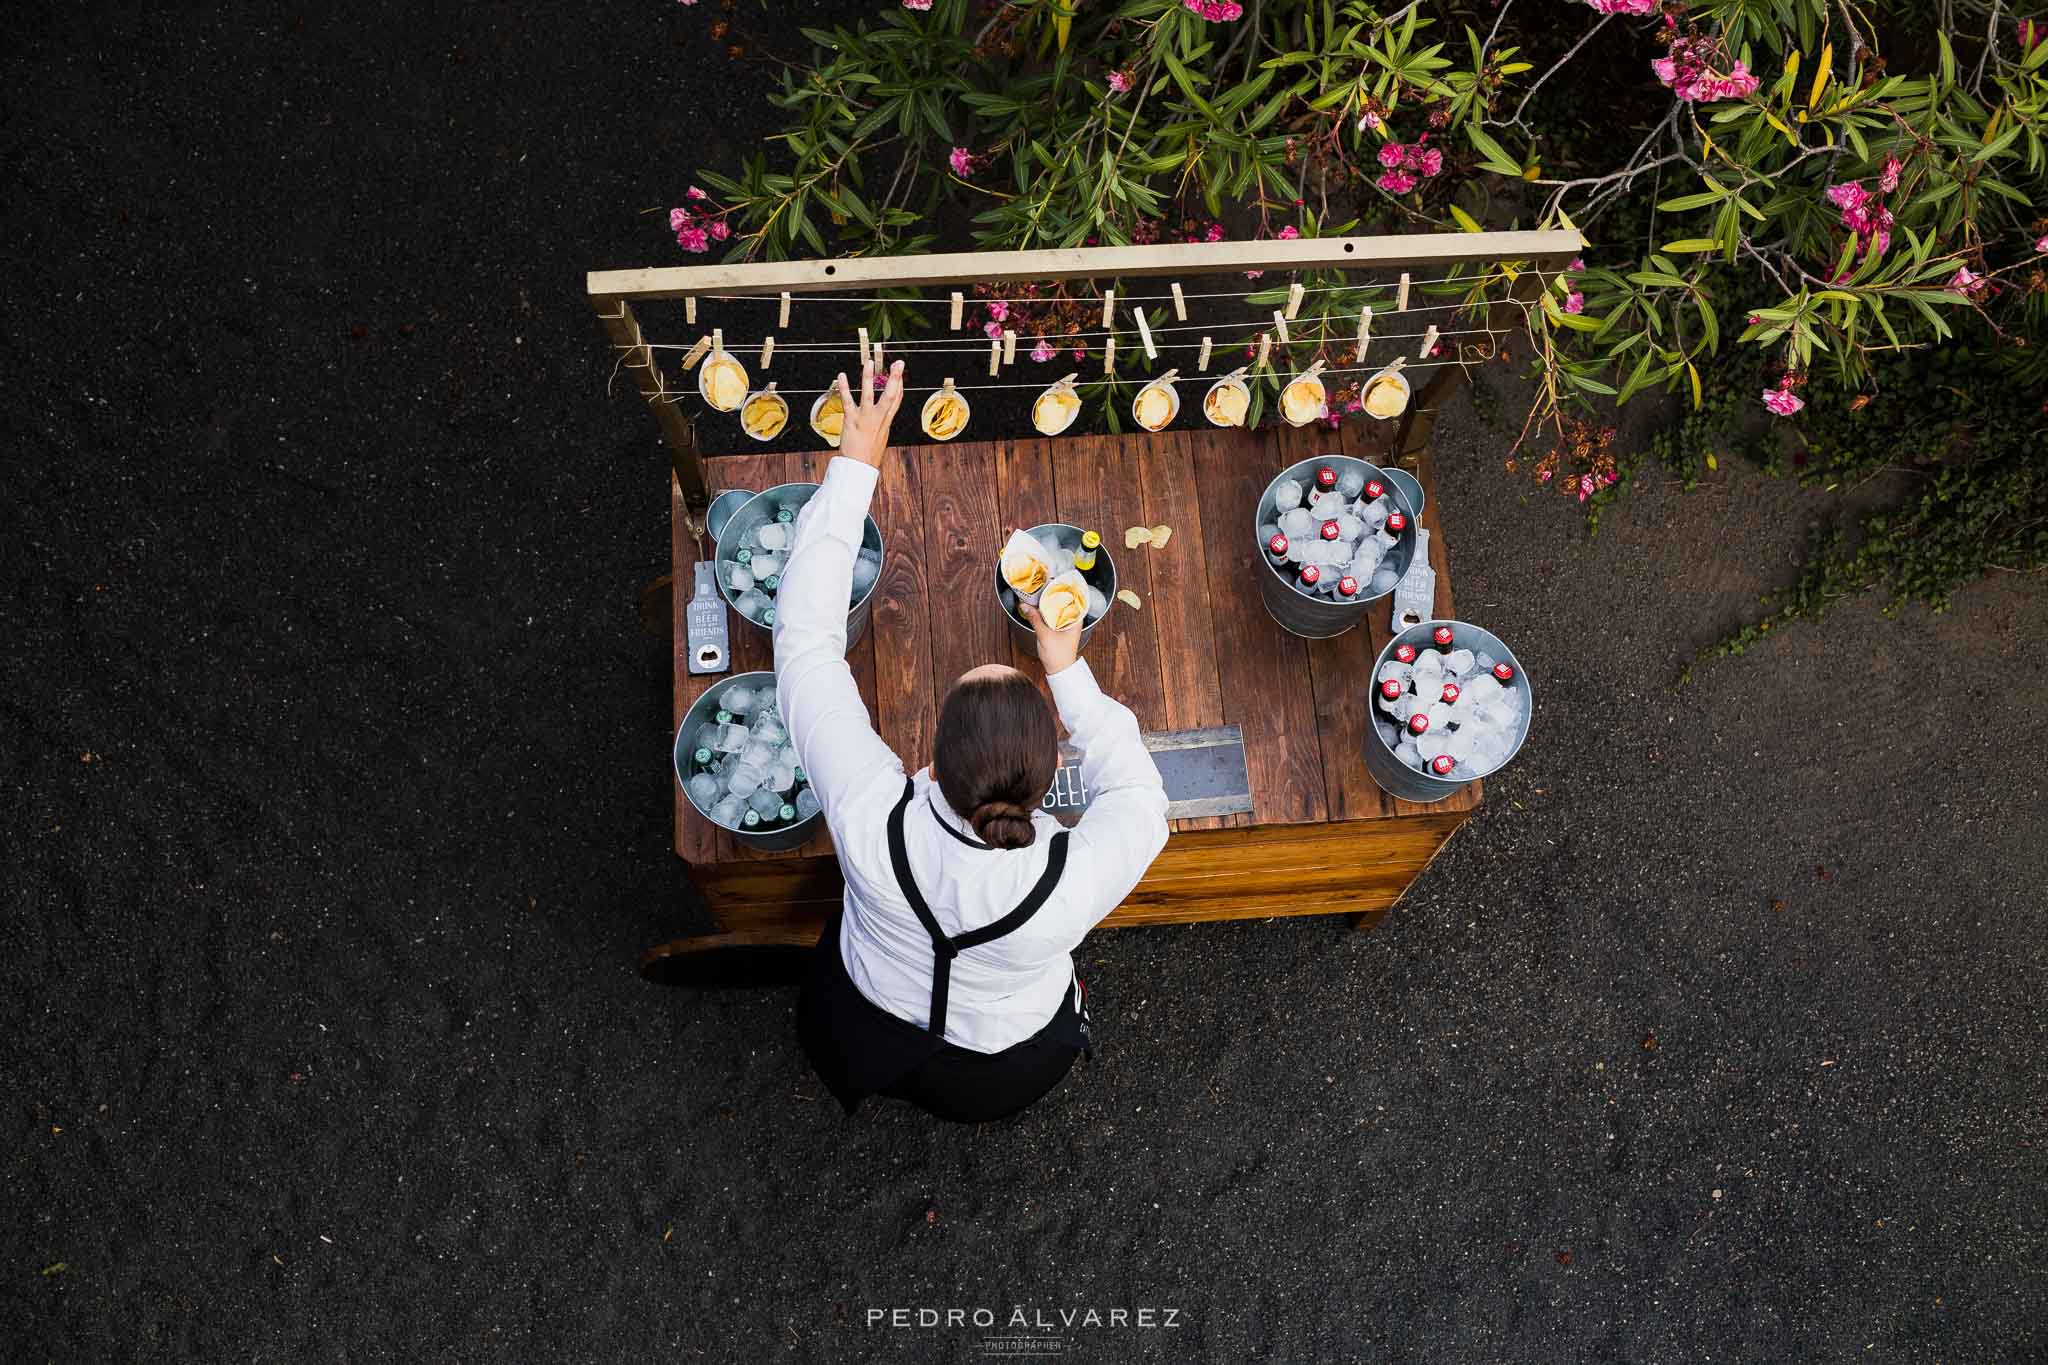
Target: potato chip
<point x="1129" y="598"/>
<point x="1136" y="536"/>
<point x="1160" y="535"/>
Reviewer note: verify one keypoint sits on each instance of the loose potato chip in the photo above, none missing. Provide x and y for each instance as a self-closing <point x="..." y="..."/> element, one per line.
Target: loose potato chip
<point x="1129" y="598"/>
<point x="1136" y="536"/>
<point x="1160" y="535"/>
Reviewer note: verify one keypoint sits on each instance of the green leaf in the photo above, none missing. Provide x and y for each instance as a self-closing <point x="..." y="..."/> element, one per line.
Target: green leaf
<point x="1689" y="245"/>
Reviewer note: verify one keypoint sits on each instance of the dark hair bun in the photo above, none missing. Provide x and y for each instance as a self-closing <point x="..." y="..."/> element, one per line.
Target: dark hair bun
<point x="1003" y="824"/>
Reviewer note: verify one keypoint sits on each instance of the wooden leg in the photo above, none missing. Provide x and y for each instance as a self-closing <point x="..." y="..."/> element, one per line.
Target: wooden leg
<point x="657" y="608"/>
<point x="1365" y="921"/>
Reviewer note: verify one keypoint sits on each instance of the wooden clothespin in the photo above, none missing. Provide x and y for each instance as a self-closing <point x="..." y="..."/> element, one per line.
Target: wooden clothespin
<point x="1145" y="334"/>
<point x="1009" y="346"/>
<point x="1428" y="340"/>
<point x="696" y="353"/>
<point x="958" y="312"/>
<point x="718" y="341"/>
<point x="1108" y="308"/>
<point x="1265" y="349"/>
<point x="783" y="316"/>
<point x="690" y="309"/>
<point x="1401" y="299"/>
<point x="1203" y="363"/>
<point x="1180" y="305"/>
<point x="864" y="355"/>
<point x="1364" y="329"/>
<point x="767" y="350"/>
<point x="1294" y="295"/>
<point x="1109" y="356"/>
<point x="995" y="357"/>
<point x="1280" y="326"/>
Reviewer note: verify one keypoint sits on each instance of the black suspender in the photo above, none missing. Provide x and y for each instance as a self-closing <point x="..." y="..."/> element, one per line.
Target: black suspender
<point x="945" y="949"/>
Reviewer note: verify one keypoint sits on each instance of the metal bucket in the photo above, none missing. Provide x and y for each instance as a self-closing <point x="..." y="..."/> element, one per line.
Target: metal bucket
<point x="702" y="711"/>
<point x="1102" y="576"/>
<point x="761" y="508"/>
<point x="1396" y="777"/>
<point x="1312" y="617"/>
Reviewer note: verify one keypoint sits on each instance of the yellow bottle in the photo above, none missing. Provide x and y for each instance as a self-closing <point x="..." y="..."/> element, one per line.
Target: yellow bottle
<point x="1084" y="558"/>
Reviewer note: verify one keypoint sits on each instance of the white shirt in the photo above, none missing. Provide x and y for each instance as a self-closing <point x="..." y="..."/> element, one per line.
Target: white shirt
<point x="1004" y="991"/>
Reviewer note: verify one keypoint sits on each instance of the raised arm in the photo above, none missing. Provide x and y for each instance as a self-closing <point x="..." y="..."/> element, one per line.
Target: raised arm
<point x="829" y="724"/>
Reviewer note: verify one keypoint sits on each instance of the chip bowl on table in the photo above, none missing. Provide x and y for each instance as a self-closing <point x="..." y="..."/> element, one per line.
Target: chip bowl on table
<point x="1038" y="566"/>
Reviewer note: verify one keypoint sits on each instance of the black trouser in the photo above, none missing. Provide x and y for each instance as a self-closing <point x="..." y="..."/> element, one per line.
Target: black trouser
<point x="966" y="1086"/>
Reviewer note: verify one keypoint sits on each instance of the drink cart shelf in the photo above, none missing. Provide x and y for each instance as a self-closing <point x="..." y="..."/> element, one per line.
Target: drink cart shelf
<point x="1201" y="651"/>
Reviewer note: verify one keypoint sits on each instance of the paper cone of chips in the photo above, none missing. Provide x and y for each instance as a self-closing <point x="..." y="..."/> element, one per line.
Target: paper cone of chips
<point x="1157" y="404"/>
<point x="1228" y="400"/>
<point x="722" y="381"/>
<point x="1055" y="409"/>
<point x="1065" y="600"/>
<point x="828" y="417"/>
<point x="764" y="414"/>
<point x="1304" y="400"/>
<point x="1025" y="567"/>
<point x="1386" y="393"/>
<point x="945" y="413"/>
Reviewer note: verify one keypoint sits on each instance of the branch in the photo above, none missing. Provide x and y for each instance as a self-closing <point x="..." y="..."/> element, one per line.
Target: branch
<point x="1557" y="67"/>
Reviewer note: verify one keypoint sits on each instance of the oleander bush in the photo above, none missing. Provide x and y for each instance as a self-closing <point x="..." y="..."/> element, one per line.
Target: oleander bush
<point x="1819" y="228"/>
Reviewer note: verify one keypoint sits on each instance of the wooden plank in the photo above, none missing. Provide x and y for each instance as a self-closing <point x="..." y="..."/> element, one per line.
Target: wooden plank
<point x="1262" y="669"/>
<point x="1095" y="487"/>
<point x="1432" y="250"/>
<point x="906" y="714"/>
<point x="963" y="535"/>
<point x="1179" y="598"/>
<point x="1024" y="492"/>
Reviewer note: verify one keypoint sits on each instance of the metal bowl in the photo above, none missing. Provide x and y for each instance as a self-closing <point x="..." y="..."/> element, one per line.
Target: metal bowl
<point x="1102" y="576"/>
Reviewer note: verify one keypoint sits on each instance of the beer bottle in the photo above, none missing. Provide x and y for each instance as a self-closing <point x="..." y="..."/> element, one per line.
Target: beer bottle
<point x="751" y="818"/>
<point x="1405" y="653"/>
<point x="1441" y="638"/>
<point x="1347" y="586"/>
<point x="1505" y="672"/>
<point x="1374" y="490"/>
<point x="1326" y="478"/>
<point x="1392" y="688"/>
<point x="1084" y="558"/>
<point x="1397" y="522"/>
<point x="1451" y="693"/>
<point x="1331" y="531"/>
<point x="1442" y="764"/>
<point x="1310" y="575"/>
<point x="1418" y="722"/>
<point x="1276" y="546"/>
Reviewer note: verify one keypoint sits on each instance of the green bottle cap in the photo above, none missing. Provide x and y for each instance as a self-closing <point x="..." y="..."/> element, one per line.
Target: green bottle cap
<point x="745" y="556"/>
<point x="799" y="777"/>
<point x="702" y="755"/>
<point x="788" y="812"/>
<point x="768" y="616"/>
<point x="751" y="818"/>
<point x="771" y="582"/>
<point x="725" y="717"/>
<point x="785" y="515"/>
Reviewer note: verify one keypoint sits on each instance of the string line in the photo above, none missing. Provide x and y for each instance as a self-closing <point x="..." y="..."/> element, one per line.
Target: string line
<point x="1136" y="298"/>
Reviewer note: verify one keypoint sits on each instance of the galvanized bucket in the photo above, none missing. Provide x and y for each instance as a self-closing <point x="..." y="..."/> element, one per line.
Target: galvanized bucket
<point x="701" y="713"/>
<point x="1312" y="617"/>
<point x="761" y="508"/>
<point x="1396" y="777"/>
<point x="1102" y="576"/>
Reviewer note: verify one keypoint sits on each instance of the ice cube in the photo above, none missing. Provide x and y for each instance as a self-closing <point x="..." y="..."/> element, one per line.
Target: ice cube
<point x="1297" y="522"/>
<point x="866" y="569"/>
<point x="704" y="791"/>
<point x="1417" y="705"/>
<point x="1482" y="687"/>
<point x="1326" y="504"/>
<point x="1389" y="733"/>
<point x="727" y="811"/>
<point x="806" y="804"/>
<point x="1394" y="668"/>
<point x="1383" y="579"/>
<point x="1098" y="601"/>
<point x="768" y="729"/>
<point x="732" y="740"/>
<point x="743" y="779"/>
<point x="1430" y="743"/>
<point x="1351" y="482"/>
<point x="751" y="604"/>
<point x="738" y="700"/>
<point x="783" y="779"/>
<point x="1439" y="715"/>
<point x="1408" y="753"/>
<point x="773" y="536"/>
<point x="766" y="802"/>
<point x="1397" y="707"/>
<point x="1287" y="494"/>
<point x="1462" y="742"/>
<point x="738" y="577"/>
<point x="1350" y="528"/>
<point x="1484" y="662"/>
<point x="1268" y="531"/>
<point x="1430" y="665"/>
<point x="765" y="565"/>
<point x="1458" y="662"/>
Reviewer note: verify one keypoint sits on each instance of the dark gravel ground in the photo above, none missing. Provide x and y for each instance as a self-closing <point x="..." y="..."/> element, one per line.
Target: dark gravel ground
<point x="335" y="812"/>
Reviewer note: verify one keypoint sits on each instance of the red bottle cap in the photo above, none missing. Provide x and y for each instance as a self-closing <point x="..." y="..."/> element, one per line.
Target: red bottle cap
<point x="1391" y="688"/>
<point x="1374" y="489"/>
<point x="1405" y="653"/>
<point x="1442" y="764"/>
<point x="1505" y="672"/>
<point x="1330" y="530"/>
<point x="1277" y="545"/>
<point x="1397" y="522"/>
<point x="1311" y="575"/>
<point x="1347" y="586"/>
<point x="1418" y="722"/>
<point x="1450" y="692"/>
<point x="1442" y="636"/>
<point x="1326" y="478"/>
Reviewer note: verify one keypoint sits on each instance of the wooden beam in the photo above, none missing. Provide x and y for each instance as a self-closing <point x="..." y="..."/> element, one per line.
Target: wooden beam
<point x="1425" y="251"/>
<point x="677" y="430"/>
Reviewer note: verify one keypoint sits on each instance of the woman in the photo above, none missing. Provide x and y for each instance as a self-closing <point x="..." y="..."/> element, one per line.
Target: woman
<point x="946" y="978"/>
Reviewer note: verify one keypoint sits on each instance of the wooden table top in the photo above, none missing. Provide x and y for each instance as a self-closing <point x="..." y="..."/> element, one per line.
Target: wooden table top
<point x="1201" y="651"/>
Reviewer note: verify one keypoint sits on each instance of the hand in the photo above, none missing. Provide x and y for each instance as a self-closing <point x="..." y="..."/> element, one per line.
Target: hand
<point x="1057" y="649"/>
<point x="865" y="435"/>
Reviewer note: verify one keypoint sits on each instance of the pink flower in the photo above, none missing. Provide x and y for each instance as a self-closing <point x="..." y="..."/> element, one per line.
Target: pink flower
<point x="686" y="2"/>
<point x="917" y="4"/>
<point x="1288" y="233"/>
<point x="1849" y="198"/>
<point x="992" y="329"/>
<point x="1214" y="234"/>
<point x="1624" y="6"/>
<point x="1578" y="264"/>
<point x="1368" y="119"/>
<point x="2041" y="244"/>
<point x="1432" y="162"/>
<point x="1783" y="401"/>
<point x="1543" y="477"/>
<point x="1888" y="180"/>
<point x="1391" y="154"/>
<point x="676" y="219"/>
<point x="1043" y="351"/>
<point x="719" y="230"/>
<point x="1215" y="11"/>
<point x="1119" y="82"/>
<point x="1665" y="70"/>
<point x="1585" y="487"/>
<point x="1689" y="71"/>
<point x="1575" y="302"/>
<point x="1253" y="274"/>
<point x="1965" y="282"/>
<point x="1080" y="353"/>
<point x="2030" y="33"/>
<point x="1395" y="182"/>
<point x="998" y="309"/>
<point x="693" y="238"/>
<point x="962" y="162"/>
<point x="1738" y="84"/>
<point x="694" y="193"/>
